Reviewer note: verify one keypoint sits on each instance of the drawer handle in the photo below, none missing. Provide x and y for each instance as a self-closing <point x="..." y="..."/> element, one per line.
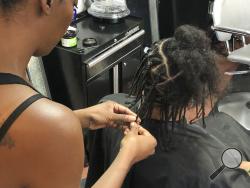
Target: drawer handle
<point x="115" y="49"/>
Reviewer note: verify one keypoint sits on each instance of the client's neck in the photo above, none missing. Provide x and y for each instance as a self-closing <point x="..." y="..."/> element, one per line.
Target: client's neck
<point x="191" y="113"/>
<point x="156" y="114"/>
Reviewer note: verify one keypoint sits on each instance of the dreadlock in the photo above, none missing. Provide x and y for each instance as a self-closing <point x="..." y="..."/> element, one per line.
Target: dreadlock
<point x="177" y="73"/>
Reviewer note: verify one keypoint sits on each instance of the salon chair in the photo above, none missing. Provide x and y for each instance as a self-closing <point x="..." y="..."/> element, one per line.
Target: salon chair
<point x="231" y="23"/>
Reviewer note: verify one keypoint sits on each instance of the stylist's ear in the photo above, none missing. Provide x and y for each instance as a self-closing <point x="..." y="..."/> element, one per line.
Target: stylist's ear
<point x="46" y="6"/>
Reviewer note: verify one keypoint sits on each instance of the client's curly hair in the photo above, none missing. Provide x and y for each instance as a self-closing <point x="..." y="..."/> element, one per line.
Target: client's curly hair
<point x="177" y="73"/>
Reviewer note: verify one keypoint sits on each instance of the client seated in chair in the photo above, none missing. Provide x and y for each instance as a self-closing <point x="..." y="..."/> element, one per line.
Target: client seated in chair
<point x="233" y="83"/>
<point x="178" y="74"/>
<point x="236" y="92"/>
<point x="232" y="29"/>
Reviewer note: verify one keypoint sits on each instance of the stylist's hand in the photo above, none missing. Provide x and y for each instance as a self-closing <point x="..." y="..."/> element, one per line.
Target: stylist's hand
<point x="138" y="142"/>
<point x="107" y="114"/>
<point x="245" y="165"/>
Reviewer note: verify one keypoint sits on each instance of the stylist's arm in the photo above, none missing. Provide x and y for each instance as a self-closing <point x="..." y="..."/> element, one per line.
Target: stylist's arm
<point x="136" y="145"/>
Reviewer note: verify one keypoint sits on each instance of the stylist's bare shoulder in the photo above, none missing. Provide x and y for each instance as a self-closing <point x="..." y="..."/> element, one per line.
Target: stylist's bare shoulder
<point x="47" y="138"/>
<point x="58" y="144"/>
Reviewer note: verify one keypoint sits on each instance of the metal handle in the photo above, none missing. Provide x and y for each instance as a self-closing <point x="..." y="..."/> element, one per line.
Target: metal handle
<point x="119" y="46"/>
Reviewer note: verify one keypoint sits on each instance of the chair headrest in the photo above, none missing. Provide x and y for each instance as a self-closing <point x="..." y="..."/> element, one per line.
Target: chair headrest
<point x="222" y="36"/>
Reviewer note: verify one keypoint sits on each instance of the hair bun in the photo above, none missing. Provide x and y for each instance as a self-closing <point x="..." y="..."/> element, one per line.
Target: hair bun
<point x="189" y="36"/>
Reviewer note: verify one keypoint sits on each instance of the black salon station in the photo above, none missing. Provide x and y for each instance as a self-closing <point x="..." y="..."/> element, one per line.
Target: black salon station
<point x="107" y="54"/>
<point x="103" y="62"/>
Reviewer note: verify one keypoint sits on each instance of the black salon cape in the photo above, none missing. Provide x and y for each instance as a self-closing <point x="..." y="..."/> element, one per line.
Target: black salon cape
<point x="194" y="157"/>
<point x="229" y="131"/>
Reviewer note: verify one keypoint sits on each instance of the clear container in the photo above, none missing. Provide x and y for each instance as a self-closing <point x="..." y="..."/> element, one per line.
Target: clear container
<point x="109" y="9"/>
<point x="81" y="7"/>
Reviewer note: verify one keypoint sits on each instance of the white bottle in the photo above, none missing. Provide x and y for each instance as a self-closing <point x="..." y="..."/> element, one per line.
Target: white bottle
<point x="81" y="6"/>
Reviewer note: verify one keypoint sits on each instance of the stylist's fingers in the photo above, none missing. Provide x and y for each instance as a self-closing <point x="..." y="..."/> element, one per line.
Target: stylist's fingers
<point x="138" y="120"/>
<point x="118" y="108"/>
<point x="121" y="119"/>
<point x="126" y="131"/>
<point x="150" y="139"/>
<point x="143" y="131"/>
<point x="134" y="128"/>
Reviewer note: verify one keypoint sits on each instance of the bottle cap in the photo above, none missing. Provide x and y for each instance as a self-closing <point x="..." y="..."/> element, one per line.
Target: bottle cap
<point x="69" y="39"/>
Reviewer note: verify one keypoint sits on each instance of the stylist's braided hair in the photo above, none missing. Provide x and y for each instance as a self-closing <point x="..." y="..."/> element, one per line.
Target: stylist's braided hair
<point x="177" y="73"/>
<point x="7" y="4"/>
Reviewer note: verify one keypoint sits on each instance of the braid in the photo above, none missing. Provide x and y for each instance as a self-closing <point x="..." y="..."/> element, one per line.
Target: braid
<point x="164" y="58"/>
<point x="177" y="73"/>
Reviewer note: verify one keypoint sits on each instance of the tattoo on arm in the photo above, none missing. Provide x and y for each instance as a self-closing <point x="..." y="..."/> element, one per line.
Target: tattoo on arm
<point x="7" y="141"/>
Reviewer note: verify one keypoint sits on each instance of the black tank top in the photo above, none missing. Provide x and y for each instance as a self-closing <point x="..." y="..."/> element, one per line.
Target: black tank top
<point x="7" y="78"/>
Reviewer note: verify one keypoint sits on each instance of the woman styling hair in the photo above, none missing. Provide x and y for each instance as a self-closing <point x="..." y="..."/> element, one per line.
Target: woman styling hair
<point x="41" y="142"/>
